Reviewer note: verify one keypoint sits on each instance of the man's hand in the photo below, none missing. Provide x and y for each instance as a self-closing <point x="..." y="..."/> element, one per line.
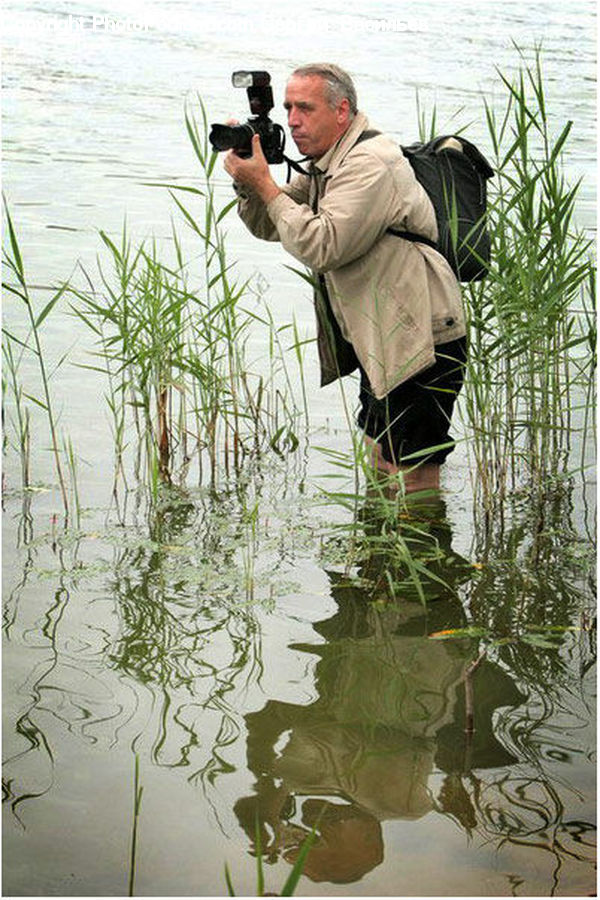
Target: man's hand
<point x="252" y="172"/>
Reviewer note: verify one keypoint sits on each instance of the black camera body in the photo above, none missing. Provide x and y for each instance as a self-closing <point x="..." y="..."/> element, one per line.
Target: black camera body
<point x="239" y="137"/>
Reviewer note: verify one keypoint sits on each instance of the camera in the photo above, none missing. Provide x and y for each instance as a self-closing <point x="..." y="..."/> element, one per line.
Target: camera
<point x="239" y="137"/>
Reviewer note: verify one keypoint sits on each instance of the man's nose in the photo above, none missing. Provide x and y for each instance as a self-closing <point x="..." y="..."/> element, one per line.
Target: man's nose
<point x="293" y="118"/>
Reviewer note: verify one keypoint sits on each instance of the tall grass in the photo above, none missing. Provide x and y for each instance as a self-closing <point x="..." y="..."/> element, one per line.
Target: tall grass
<point x="22" y="421"/>
<point x="172" y="342"/>
<point x="139" y="317"/>
<point x="532" y="321"/>
<point x="19" y="288"/>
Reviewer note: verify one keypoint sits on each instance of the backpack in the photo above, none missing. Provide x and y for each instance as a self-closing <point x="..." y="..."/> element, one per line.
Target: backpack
<point x="454" y="174"/>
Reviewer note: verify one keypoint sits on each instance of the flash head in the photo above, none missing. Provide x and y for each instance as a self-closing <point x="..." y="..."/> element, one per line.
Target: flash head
<point x="239" y="137"/>
<point x="243" y="79"/>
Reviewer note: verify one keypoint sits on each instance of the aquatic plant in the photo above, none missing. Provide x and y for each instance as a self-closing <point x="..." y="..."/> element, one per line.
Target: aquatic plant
<point x="293" y="878"/>
<point x="22" y="424"/>
<point x="138" y="792"/>
<point x="531" y="322"/>
<point x="140" y="318"/>
<point x="13" y="260"/>
<point x="256" y="409"/>
<point x="172" y="343"/>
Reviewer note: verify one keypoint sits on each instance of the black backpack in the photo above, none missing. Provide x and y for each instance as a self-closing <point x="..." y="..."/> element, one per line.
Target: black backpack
<point x="455" y="181"/>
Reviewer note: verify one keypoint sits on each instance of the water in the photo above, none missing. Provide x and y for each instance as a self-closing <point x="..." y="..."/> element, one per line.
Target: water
<point x="303" y="694"/>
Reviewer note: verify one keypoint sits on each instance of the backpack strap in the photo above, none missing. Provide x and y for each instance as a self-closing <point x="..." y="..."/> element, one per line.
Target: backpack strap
<point x="406" y="235"/>
<point x="413" y="238"/>
<point x="366" y="135"/>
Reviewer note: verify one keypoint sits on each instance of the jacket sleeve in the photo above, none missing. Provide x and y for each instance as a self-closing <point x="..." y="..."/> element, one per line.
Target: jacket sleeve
<point x="354" y="212"/>
<point x="253" y="211"/>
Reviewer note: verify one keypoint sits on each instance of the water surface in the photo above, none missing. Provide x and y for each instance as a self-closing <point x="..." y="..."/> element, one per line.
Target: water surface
<point x="225" y="670"/>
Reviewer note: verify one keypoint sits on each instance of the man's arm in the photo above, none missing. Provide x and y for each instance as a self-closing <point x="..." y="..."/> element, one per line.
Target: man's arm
<point x="254" y="186"/>
<point x="353" y="214"/>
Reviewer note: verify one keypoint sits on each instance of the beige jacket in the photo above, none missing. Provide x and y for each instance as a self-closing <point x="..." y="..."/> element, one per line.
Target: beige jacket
<point x="392" y="300"/>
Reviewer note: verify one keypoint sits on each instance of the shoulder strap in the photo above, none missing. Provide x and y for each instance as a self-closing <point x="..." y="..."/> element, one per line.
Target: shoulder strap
<point x="412" y="237"/>
<point x="366" y="135"/>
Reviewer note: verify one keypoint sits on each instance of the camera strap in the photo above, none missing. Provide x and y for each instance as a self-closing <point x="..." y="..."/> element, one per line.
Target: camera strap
<point x="295" y="165"/>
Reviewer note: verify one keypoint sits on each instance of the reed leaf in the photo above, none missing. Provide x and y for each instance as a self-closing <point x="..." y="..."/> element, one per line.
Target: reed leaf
<point x="229" y="883"/>
<point x="17" y="260"/>
<point x="294" y="877"/>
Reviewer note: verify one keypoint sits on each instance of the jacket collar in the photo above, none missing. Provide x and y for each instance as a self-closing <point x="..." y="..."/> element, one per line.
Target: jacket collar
<point x="330" y="160"/>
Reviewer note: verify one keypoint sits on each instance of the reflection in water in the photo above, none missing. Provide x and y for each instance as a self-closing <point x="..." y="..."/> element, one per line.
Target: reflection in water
<point x="29" y="773"/>
<point x="165" y="656"/>
<point x="387" y="711"/>
<point x="544" y="573"/>
<point x="390" y="712"/>
<point x="171" y="627"/>
<point x="186" y="642"/>
<point x="531" y="600"/>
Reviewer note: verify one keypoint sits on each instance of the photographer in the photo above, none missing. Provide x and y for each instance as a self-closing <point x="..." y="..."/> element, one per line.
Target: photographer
<point x="385" y="305"/>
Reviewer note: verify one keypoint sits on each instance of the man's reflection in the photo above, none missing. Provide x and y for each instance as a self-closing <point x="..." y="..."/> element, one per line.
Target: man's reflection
<point x="389" y="711"/>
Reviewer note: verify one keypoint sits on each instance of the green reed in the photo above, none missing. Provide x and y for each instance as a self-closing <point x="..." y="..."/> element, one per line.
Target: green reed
<point x="138" y="791"/>
<point x="293" y="878"/>
<point x="531" y="328"/>
<point x="223" y="330"/>
<point x="19" y="288"/>
<point x="139" y="317"/>
<point x="172" y="342"/>
<point x="22" y="424"/>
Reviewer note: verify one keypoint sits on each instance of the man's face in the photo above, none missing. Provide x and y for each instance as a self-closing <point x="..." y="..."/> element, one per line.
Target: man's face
<point x="314" y="125"/>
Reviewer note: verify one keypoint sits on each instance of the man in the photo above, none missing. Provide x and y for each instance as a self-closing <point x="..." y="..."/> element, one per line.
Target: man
<point x="385" y="305"/>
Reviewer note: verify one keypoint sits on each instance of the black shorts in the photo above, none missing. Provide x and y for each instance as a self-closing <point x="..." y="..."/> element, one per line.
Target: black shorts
<point x="415" y="416"/>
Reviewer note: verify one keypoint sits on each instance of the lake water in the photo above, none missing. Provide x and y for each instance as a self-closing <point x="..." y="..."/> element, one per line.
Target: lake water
<point x="136" y="661"/>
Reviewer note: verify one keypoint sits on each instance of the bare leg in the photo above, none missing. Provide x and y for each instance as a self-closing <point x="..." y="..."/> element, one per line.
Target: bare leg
<point x="425" y="477"/>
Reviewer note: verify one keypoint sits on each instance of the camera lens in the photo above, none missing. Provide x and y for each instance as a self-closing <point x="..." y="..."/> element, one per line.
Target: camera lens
<point x="231" y="137"/>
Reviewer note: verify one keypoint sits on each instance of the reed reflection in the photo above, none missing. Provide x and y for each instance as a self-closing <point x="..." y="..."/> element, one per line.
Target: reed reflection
<point x="186" y="635"/>
<point x="168" y="642"/>
<point x="29" y="772"/>
<point x="531" y="602"/>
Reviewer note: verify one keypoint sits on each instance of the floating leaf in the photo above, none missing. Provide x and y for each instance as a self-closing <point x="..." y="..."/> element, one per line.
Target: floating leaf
<point x="469" y="631"/>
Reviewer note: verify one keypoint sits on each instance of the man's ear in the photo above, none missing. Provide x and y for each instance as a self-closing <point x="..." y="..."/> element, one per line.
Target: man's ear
<point x="343" y="111"/>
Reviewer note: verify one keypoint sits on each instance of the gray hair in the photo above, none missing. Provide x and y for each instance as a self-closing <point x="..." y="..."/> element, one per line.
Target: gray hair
<point x="339" y="85"/>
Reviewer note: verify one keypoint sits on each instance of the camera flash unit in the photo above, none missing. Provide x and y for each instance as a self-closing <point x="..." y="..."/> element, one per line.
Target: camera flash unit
<point x="244" y="79"/>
